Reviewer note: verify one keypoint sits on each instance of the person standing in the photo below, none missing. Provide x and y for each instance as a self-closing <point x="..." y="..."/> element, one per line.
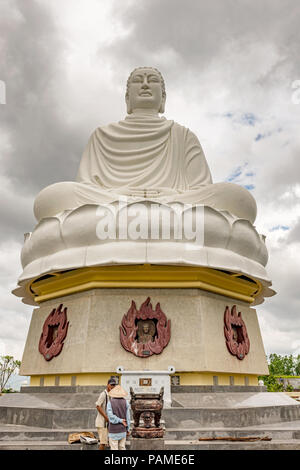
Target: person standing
<point x="118" y="412"/>
<point x="102" y="418"/>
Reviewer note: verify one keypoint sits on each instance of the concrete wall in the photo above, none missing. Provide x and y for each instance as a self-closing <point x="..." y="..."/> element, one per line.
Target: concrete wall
<point x="290" y="381"/>
<point x="93" y="343"/>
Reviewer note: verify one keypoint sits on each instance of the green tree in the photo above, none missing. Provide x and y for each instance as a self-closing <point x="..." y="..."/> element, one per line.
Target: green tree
<point x="8" y="365"/>
<point x="281" y="365"/>
<point x="271" y="383"/>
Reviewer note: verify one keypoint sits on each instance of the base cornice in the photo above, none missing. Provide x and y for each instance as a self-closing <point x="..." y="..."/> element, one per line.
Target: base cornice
<point x="230" y="284"/>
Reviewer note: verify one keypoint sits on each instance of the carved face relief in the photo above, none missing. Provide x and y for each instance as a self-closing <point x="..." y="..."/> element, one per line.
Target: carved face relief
<point x="236" y="335"/>
<point x="54" y="332"/>
<point x="145" y="91"/>
<point x="146" y="331"/>
<point x="148" y="419"/>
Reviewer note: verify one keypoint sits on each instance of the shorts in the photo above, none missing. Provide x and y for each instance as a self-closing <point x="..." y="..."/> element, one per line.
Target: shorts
<point x="103" y="435"/>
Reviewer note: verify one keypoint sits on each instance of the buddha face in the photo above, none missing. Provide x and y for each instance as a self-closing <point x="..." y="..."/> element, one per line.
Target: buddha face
<point x="145" y="91"/>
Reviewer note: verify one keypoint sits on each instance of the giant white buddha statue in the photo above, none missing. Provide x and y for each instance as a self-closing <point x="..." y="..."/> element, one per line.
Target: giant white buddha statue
<point x="144" y="157"/>
<point x="150" y="159"/>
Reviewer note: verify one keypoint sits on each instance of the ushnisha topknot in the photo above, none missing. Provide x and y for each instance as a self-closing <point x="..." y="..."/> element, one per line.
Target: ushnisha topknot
<point x="151" y="68"/>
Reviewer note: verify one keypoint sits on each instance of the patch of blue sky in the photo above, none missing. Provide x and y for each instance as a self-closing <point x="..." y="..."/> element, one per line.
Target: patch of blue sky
<point x="236" y="173"/>
<point x="268" y="134"/>
<point x="249" y="119"/>
<point x="250" y="173"/>
<point x="246" y="119"/>
<point x="279" y="227"/>
<point x="249" y="186"/>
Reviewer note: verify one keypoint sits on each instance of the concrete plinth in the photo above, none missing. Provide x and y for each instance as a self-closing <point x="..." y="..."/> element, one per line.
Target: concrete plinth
<point x="34" y="420"/>
<point x="192" y="410"/>
<point x="197" y="347"/>
<point x="147" y="444"/>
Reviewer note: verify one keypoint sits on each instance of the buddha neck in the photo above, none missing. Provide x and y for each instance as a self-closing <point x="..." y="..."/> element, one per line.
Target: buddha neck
<point x="145" y="112"/>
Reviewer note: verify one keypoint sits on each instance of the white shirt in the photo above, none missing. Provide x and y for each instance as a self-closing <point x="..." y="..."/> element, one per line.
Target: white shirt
<point x="102" y="402"/>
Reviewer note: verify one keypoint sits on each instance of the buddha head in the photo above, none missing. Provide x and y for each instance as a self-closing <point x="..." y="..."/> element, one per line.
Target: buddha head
<point x="145" y="90"/>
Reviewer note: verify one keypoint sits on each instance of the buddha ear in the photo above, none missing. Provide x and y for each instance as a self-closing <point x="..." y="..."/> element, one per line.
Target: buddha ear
<point x="129" y="110"/>
<point x="162" y="105"/>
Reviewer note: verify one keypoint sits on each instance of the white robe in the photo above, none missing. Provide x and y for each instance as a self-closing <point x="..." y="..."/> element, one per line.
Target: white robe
<point x="144" y="157"/>
<point x="144" y="152"/>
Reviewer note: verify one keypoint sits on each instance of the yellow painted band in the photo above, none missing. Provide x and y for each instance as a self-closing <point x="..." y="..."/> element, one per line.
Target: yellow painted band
<point x="233" y="285"/>
<point x="186" y="378"/>
<point x="144" y="284"/>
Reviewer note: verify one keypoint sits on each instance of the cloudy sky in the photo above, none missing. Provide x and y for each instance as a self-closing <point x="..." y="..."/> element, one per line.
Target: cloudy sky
<point x="232" y="73"/>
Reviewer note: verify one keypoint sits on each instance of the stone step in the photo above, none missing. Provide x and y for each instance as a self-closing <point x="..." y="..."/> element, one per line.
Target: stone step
<point x="31" y="434"/>
<point x="190" y="418"/>
<point x="278" y="431"/>
<point x="64" y="411"/>
<point x="169" y="445"/>
<point x="187" y="418"/>
<point x="192" y="434"/>
<point x="49" y="418"/>
<point x="230" y="400"/>
<point x="291" y="444"/>
<point x="172" y="435"/>
<point x="44" y="445"/>
<point x="50" y="400"/>
<point x="61" y="418"/>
